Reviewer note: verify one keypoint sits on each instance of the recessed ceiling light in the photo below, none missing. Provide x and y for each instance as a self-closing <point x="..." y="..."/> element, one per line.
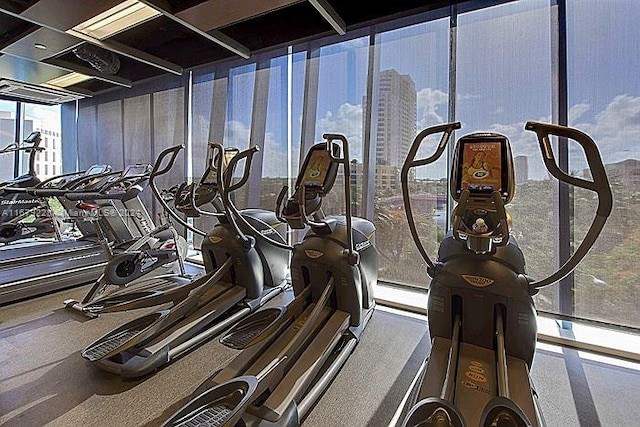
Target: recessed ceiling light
<point x="117" y="19"/>
<point x="40" y="46"/>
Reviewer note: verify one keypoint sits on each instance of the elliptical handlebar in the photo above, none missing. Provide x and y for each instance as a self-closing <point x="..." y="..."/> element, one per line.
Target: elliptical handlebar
<point x="157" y="171"/>
<point x="227" y="188"/>
<point x="447" y="130"/>
<point x="599" y="185"/>
<point x="228" y="173"/>
<point x="353" y="255"/>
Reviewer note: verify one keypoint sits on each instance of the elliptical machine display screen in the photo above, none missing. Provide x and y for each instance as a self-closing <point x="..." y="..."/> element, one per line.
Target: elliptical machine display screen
<point x="482" y="166"/>
<point x="317" y="170"/>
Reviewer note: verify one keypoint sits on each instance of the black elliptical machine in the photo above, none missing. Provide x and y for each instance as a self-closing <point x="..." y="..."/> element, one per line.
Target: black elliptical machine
<point x="290" y="355"/>
<point x="482" y="318"/>
<point x="22" y="215"/>
<point x="241" y="276"/>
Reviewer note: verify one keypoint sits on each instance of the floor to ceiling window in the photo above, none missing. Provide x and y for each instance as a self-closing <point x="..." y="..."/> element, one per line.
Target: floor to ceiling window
<point x="503" y="79"/>
<point x="410" y="93"/>
<point x="7" y="137"/>
<point x="604" y="101"/>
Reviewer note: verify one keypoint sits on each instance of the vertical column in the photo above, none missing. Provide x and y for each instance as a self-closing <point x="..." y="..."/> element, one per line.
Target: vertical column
<point x="453" y="51"/>
<point x="560" y="111"/>
<point x="69" y="138"/>
<point x="370" y="122"/>
<point x="310" y="103"/>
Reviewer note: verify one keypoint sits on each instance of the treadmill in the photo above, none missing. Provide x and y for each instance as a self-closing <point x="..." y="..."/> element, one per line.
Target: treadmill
<point x="117" y="214"/>
<point x="28" y="252"/>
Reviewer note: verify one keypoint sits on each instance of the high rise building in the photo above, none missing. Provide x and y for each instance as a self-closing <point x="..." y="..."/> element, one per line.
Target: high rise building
<point x="396" y="118"/>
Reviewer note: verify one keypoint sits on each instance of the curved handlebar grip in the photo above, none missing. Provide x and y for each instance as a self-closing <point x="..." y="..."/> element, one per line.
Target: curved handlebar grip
<point x="173" y="151"/>
<point x="88" y="196"/>
<point x="228" y="173"/>
<point x="279" y="200"/>
<point x="446" y="129"/>
<point x="410" y="162"/>
<point x="600" y="183"/>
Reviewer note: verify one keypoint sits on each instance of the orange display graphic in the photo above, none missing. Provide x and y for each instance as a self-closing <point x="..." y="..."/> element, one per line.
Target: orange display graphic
<point x="317" y="169"/>
<point x="482" y="165"/>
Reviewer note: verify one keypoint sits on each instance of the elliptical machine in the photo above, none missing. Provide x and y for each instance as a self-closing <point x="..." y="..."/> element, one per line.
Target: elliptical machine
<point x="241" y="276"/>
<point x="291" y="354"/>
<point x="482" y="318"/>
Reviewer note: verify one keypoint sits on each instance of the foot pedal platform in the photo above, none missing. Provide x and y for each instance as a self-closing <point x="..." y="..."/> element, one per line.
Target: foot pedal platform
<point x="222" y="405"/>
<point x="114" y="342"/>
<point x="248" y="329"/>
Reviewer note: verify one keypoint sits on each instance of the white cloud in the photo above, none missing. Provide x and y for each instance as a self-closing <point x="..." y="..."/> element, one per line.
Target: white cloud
<point x="348" y="122"/>
<point x="578" y="111"/>
<point x="432" y="107"/>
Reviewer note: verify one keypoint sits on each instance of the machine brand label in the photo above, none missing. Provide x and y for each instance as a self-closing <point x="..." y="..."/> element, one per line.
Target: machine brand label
<point x="19" y="202"/>
<point x="362" y="245"/>
<point x="313" y="254"/>
<point x="477" y="281"/>
<point x="267" y="231"/>
<point x="215" y="239"/>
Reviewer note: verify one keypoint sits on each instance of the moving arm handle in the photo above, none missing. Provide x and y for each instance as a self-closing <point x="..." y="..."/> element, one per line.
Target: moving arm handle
<point x="156" y="171"/>
<point x="599" y="185"/>
<point x="447" y="130"/>
<point x="353" y="257"/>
<point x="228" y="173"/>
<point x="171" y="151"/>
<point x="227" y="188"/>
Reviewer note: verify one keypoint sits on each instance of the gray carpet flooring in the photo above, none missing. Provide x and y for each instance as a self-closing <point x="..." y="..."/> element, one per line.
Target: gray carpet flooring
<point x="45" y="381"/>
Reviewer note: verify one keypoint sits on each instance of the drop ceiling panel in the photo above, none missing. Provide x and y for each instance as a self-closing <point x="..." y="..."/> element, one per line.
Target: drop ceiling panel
<point x="24" y="70"/>
<point x="65" y="14"/>
<point x="214" y="14"/>
<point x="54" y="41"/>
<point x="278" y="27"/>
<point x="12" y="28"/>
<point x="171" y="41"/>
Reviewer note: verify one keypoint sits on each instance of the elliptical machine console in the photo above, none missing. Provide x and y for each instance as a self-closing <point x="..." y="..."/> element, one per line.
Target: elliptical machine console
<point x="482" y="319"/>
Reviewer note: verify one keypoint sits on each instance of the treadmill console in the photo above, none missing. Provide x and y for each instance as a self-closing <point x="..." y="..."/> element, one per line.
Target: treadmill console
<point x="483" y="164"/>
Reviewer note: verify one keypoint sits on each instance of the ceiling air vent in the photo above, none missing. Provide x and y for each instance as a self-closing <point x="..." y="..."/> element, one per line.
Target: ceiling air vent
<point x="31" y="92"/>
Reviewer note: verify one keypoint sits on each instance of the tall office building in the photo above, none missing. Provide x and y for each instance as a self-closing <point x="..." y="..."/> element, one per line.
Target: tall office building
<point x="396" y="118"/>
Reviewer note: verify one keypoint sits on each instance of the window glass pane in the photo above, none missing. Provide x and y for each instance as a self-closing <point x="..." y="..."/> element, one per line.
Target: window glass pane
<point x="342" y="85"/>
<point x="283" y="126"/>
<point x="7" y="137"/>
<point x="47" y="120"/>
<point x="604" y="100"/>
<point x="410" y="93"/>
<point x="503" y="80"/>
<point x="237" y="128"/>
